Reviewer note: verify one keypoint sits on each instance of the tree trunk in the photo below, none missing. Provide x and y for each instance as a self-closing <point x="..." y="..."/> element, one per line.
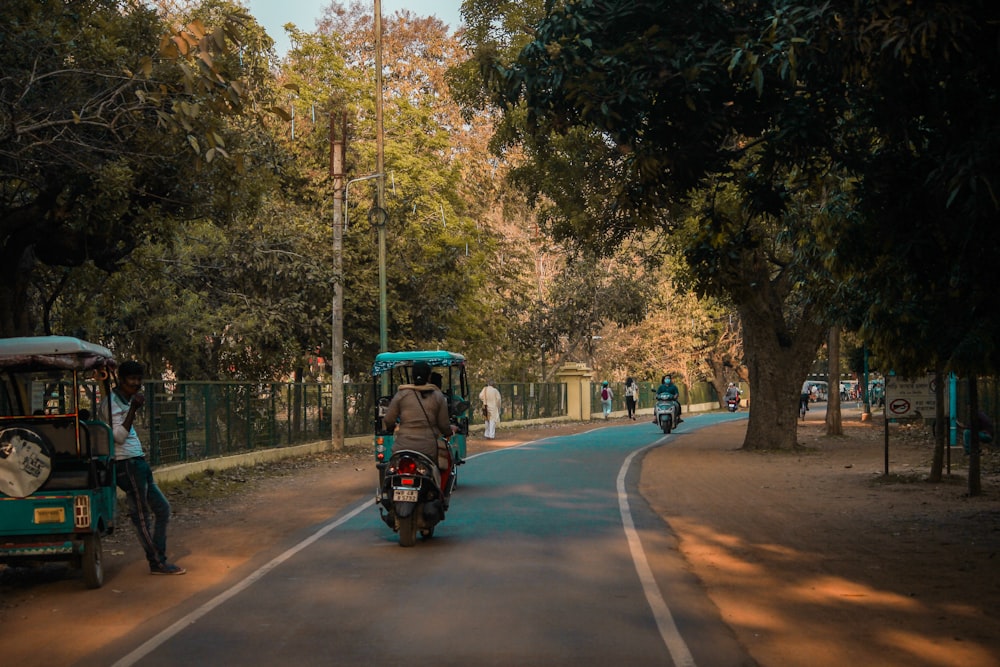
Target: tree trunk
<point x="17" y="265"/>
<point x="717" y="380"/>
<point x="778" y="361"/>
<point x="940" y="429"/>
<point x="834" y="425"/>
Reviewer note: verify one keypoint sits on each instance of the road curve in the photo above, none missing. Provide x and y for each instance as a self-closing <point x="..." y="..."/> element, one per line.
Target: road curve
<point x="549" y="556"/>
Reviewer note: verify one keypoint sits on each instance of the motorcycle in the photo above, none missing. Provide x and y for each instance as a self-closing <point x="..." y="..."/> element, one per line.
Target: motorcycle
<point x="733" y="403"/>
<point x="666" y="413"/>
<point x="414" y="491"/>
<point x="414" y="495"/>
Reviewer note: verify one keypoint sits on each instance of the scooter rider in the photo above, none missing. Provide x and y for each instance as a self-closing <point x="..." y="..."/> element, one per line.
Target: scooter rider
<point x="668" y="387"/>
<point x="421" y="410"/>
<point x="732" y="392"/>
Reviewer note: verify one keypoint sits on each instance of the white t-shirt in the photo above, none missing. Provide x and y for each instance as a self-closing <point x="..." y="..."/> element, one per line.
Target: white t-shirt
<point x="127" y="444"/>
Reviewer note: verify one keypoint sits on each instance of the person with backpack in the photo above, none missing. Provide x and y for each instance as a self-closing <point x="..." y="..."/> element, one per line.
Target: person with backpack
<point x="631" y="397"/>
<point x="606" y="395"/>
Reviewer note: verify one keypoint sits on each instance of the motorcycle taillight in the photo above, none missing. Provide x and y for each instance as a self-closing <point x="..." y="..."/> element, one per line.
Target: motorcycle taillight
<point x="407" y="466"/>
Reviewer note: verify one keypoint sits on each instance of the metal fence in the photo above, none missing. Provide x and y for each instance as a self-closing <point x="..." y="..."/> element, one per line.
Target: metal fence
<point x="526" y="400"/>
<point x="190" y="421"/>
<point x="701" y="392"/>
<point x="187" y="421"/>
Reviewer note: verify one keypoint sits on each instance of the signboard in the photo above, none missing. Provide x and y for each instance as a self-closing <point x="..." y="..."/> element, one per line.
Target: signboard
<point x="906" y="397"/>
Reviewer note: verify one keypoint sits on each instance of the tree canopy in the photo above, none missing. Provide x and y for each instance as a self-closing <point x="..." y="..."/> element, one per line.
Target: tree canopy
<point x="111" y="121"/>
<point x="779" y="128"/>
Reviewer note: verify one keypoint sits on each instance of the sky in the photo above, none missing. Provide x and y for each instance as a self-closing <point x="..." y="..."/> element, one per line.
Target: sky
<point x="273" y="14"/>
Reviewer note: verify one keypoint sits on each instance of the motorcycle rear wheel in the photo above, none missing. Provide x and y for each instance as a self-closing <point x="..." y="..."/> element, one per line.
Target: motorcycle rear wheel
<point x="408" y="530"/>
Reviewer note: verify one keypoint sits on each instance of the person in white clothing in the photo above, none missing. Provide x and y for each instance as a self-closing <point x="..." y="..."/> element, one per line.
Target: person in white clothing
<point x="490" y="398"/>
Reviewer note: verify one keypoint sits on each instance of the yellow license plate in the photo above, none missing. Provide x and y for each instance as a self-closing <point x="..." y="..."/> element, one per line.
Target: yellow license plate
<point x="50" y="515"/>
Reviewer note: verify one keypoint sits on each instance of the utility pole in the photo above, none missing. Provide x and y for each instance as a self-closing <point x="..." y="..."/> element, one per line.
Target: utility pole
<point x="380" y="216"/>
<point x="337" y="144"/>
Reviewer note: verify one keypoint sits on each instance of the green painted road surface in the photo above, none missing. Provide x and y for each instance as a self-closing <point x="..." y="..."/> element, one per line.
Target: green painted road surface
<point x="548" y="557"/>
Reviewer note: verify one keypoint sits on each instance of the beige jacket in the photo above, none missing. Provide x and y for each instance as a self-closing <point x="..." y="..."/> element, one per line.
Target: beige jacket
<point x="422" y="413"/>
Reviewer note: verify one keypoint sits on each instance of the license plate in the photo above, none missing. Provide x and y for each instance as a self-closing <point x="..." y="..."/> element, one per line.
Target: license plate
<point x="50" y="515"/>
<point x="405" y="495"/>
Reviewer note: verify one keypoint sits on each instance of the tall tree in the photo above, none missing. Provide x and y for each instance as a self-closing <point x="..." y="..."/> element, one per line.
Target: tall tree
<point x="624" y="115"/>
<point x="449" y="271"/>
<point x="109" y="122"/>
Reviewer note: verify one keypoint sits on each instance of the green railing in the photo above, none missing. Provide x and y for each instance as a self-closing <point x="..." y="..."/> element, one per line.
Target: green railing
<point x="525" y="400"/>
<point x="190" y="421"/>
<point x="702" y="392"/>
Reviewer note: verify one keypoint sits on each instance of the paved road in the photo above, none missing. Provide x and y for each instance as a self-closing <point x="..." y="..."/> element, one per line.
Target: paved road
<point x="548" y="557"/>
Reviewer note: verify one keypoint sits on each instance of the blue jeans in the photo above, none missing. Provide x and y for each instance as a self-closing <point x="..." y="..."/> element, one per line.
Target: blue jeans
<point x="147" y="506"/>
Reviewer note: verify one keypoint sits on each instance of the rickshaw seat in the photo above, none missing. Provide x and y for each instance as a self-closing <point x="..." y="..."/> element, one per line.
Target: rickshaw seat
<point x="72" y="469"/>
<point x="62" y="478"/>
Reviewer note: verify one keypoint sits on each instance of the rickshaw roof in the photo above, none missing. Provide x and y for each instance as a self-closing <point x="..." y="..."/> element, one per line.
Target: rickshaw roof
<point x="64" y="352"/>
<point x="389" y="360"/>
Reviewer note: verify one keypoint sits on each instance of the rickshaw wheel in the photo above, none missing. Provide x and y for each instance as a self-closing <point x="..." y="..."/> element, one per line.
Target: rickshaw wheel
<point x="91" y="561"/>
<point x="408" y="530"/>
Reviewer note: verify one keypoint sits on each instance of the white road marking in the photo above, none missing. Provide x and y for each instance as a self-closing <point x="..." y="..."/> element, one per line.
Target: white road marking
<point x="155" y="642"/>
<point x="675" y="644"/>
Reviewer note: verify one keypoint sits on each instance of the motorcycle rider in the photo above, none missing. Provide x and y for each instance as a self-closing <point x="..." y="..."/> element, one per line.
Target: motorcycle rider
<point x="421" y="410"/>
<point x="668" y="387"/>
<point x="732" y="392"/>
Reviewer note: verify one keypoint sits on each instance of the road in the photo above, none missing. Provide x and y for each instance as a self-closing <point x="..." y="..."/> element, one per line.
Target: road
<point x="548" y="556"/>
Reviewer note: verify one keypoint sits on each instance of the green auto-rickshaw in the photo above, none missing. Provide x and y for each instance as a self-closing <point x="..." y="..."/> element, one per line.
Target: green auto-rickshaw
<point x="392" y="369"/>
<point x="414" y="489"/>
<point x="57" y="473"/>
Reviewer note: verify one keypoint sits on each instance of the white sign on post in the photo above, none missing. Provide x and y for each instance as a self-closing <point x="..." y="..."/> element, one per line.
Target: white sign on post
<point x="907" y="397"/>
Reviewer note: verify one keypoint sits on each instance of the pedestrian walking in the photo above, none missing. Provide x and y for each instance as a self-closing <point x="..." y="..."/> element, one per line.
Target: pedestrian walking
<point x="490" y="398"/>
<point x="631" y="397"/>
<point x="607" y="394"/>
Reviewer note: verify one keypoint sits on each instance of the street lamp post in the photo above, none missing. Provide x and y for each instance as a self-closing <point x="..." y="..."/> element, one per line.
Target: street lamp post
<point x="347" y="191"/>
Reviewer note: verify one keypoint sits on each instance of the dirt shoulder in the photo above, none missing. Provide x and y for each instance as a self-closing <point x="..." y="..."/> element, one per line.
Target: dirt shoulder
<point x="814" y="557"/>
<point x="818" y="558"/>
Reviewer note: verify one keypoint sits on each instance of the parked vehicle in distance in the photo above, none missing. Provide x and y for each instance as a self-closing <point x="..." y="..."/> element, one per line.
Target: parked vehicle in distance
<point x="819" y="390"/>
<point x="57" y="473"/>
